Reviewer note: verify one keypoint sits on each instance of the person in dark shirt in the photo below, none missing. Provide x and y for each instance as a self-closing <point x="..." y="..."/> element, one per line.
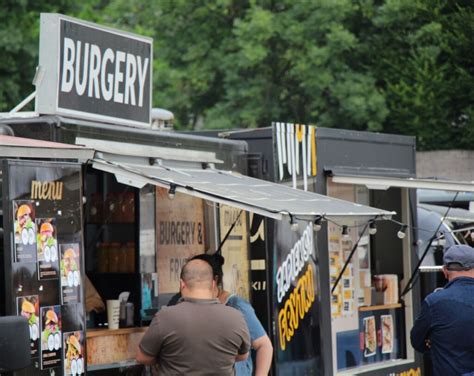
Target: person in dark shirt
<point x="445" y="325"/>
<point x="198" y="336"/>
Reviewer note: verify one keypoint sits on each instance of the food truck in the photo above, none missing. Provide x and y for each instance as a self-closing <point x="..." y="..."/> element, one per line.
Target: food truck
<point x="121" y="220"/>
<point x="360" y="317"/>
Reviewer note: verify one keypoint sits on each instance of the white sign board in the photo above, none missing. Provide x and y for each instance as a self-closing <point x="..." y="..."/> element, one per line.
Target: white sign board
<point x="93" y="72"/>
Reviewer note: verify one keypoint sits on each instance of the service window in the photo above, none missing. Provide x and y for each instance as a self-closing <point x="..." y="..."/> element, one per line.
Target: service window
<point x="368" y="329"/>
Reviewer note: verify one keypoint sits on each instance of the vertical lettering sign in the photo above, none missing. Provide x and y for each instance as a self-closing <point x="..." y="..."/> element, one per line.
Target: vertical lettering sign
<point x="179" y="236"/>
<point x="94" y="72"/>
<point x="295" y="287"/>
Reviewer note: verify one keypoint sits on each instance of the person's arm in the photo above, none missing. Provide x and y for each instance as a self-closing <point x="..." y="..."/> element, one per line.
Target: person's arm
<point x="264" y="349"/>
<point x="150" y="344"/>
<point x="143" y="358"/>
<point x="419" y="335"/>
<point x="241" y="357"/>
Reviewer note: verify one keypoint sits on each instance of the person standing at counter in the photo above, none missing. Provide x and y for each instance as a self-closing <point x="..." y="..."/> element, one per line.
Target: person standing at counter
<point x="445" y="326"/>
<point x="197" y="336"/>
<point x="258" y="337"/>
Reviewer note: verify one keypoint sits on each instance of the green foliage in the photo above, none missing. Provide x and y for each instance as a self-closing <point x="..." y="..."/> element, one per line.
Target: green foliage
<point x="397" y="66"/>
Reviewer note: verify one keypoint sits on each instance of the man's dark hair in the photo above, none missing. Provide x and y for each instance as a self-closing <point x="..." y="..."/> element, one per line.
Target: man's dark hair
<point x="197" y="274"/>
<point x="215" y="261"/>
<point x="456" y="267"/>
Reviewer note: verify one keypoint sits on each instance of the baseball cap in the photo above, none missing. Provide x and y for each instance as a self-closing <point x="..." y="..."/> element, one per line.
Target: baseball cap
<point x="461" y="255"/>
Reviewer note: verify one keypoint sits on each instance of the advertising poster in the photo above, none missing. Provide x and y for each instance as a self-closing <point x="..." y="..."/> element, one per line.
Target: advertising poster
<point x="370" y="336"/>
<point x="25" y="231"/>
<point x="295" y="311"/>
<point x="51" y="341"/>
<point x="235" y="250"/>
<point x="28" y="307"/>
<point x="73" y="345"/>
<point x="47" y="248"/>
<point x="180" y="234"/>
<point x="70" y="273"/>
<point x="387" y="333"/>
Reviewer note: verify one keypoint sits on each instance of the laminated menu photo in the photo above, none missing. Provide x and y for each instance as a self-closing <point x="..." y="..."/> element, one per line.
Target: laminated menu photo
<point x="47" y="248"/>
<point x="28" y="307"/>
<point x="51" y="342"/>
<point x="370" y="336"/>
<point x="70" y="273"/>
<point x="387" y="333"/>
<point x="73" y="345"/>
<point x="25" y="231"/>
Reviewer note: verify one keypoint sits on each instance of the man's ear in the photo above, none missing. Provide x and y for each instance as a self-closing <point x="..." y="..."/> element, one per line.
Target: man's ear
<point x="445" y="272"/>
<point x="182" y="285"/>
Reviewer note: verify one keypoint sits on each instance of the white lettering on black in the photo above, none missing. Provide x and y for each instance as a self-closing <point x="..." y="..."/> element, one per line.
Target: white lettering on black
<point x="294" y="262"/>
<point x="112" y="75"/>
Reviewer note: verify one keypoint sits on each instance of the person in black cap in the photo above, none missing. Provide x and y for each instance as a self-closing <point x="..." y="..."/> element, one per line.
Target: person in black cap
<point x="445" y="326"/>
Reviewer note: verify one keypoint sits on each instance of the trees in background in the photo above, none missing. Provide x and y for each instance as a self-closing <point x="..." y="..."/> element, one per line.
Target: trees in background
<point x="396" y="66"/>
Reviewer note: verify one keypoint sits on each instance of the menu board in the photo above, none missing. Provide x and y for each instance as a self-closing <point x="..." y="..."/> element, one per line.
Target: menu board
<point x="44" y="268"/>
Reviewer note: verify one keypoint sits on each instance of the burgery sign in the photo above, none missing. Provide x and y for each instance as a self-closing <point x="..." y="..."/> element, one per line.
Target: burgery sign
<point x="93" y="72"/>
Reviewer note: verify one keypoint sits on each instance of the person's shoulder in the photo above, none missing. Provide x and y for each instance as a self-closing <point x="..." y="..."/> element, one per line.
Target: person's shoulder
<point x="437" y="296"/>
<point x="168" y="311"/>
<point x="229" y="310"/>
<point x="237" y="301"/>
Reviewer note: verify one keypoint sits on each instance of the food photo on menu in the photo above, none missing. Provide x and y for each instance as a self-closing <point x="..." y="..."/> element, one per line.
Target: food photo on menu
<point x="47" y="248"/>
<point x="28" y="307"/>
<point x="73" y="353"/>
<point x="70" y="273"/>
<point x="25" y="231"/>
<point x="387" y="333"/>
<point x="370" y="336"/>
<point x="51" y="342"/>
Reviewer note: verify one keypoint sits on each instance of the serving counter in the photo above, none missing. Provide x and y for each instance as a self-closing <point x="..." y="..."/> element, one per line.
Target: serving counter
<point x="112" y="348"/>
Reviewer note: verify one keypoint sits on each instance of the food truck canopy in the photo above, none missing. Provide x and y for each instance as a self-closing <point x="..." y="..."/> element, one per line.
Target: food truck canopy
<point x="378" y="182"/>
<point x="18" y="147"/>
<point x="188" y="175"/>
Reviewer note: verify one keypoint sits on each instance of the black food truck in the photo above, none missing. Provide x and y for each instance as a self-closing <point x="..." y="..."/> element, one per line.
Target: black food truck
<point x="366" y="297"/>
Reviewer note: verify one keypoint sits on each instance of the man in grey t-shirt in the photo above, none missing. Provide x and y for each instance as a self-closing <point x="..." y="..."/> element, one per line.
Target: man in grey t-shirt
<point x="199" y="335"/>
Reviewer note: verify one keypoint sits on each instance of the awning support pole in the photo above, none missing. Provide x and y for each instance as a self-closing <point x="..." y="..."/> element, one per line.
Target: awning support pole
<point x="410" y="282"/>
<point x="23" y="103"/>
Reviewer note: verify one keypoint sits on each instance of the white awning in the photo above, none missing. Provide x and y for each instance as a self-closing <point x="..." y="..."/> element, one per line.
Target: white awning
<point x="254" y="195"/>
<point x="378" y="182"/>
<point x="19" y="147"/>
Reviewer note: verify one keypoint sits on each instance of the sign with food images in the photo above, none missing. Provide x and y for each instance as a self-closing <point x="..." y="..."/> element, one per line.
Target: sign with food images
<point x="93" y="72"/>
<point x="70" y="273"/>
<point x="28" y="307"/>
<point x="73" y="345"/>
<point x="51" y="339"/>
<point x="43" y="222"/>
<point x="25" y="231"/>
<point x="47" y="248"/>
